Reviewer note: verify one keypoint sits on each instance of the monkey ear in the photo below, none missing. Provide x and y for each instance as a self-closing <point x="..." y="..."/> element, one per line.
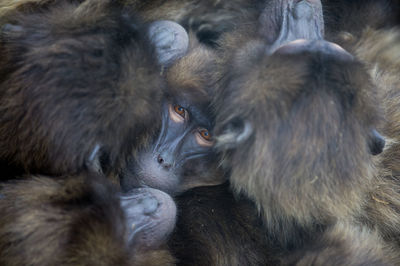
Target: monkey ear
<point x="235" y="134"/>
<point x="170" y="39"/>
<point x="376" y="142"/>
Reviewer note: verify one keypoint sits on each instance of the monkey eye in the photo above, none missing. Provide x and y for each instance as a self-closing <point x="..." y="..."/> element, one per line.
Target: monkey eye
<point x="203" y="137"/>
<point x="205" y="134"/>
<point x="179" y="110"/>
<point x="178" y="114"/>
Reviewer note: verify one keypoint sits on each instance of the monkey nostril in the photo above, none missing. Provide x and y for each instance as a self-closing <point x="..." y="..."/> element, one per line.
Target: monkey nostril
<point x="162" y="162"/>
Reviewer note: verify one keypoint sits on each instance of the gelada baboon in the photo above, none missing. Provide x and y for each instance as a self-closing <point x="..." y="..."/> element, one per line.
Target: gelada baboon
<point x="226" y="230"/>
<point x="182" y="156"/>
<point x="44" y="117"/>
<point x="185" y="133"/>
<point x="82" y="220"/>
<point x="76" y="88"/>
<point x="77" y="81"/>
<point x="298" y="130"/>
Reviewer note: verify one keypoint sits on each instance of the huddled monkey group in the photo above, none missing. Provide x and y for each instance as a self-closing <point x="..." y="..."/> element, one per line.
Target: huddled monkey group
<point x="229" y="132"/>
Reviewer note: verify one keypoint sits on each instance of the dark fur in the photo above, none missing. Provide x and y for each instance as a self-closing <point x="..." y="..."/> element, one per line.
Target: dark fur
<point x="209" y="19"/>
<point x="71" y="220"/>
<point x="74" y="78"/>
<point x="306" y="165"/>
<point x="318" y="248"/>
<point x="76" y="32"/>
<point x="223" y="219"/>
<point x="330" y="243"/>
<point x="298" y="228"/>
<point x="227" y="230"/>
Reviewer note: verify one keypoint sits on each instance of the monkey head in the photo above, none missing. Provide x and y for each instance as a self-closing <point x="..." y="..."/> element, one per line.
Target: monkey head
<point x="297" y="126"/>
<point x="182" y="155"/>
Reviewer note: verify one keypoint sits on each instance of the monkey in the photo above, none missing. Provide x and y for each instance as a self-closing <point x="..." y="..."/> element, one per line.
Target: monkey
<point x="56" y="66"/>
<point x="45" y="82"/>
<point x="68" y="58"/>
<point x="41" y="153"/>
<point x="193" y="139"/>
<point x="175" y="164"/>
<point x="304" y="189"/>
<point x="192" y="235"/>
<point x="280" y="163"/>
<point x="222" y="217"/>
<point x="191" y="246"/>
<point x="83" y="220"/>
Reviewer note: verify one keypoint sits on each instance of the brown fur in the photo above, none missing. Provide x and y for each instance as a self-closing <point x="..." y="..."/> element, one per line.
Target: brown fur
<point x="209" y="19"/>
<point x="306" y="165"/>
<point x="235" y="235"/>
<point x="375" y="251"/>
<point x="73" y="77"/>
<point x="343" y="244"/>
<point x="381" y="51"/>
<point x="71" y="220"/>
<point x="65" y="88"/>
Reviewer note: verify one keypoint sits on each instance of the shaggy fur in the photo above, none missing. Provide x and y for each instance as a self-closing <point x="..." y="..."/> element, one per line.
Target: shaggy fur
<point x="306" y="165"/>
<point x="70" y="220"/>
<point x="72" y="79"/>
<point x="210" y="19"/>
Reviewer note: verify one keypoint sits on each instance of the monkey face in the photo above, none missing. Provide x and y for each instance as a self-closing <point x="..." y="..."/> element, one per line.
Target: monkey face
<point x="179" y="156"/>
<point x="182" y="155"/>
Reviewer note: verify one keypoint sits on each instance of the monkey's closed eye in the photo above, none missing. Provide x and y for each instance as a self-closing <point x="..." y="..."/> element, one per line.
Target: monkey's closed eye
<point x="177" y="113"/>
<point x="204" y="137"/>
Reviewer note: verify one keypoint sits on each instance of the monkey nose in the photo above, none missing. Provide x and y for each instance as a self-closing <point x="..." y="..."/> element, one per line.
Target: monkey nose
<point x="163" y="162"/>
